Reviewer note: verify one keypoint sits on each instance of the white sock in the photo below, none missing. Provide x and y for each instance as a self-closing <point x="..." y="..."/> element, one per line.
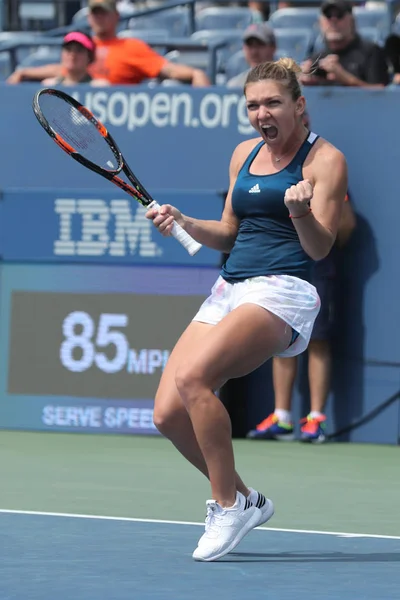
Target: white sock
<point x="234" y="506"/>
<point x="314" y="414"/>
<point x="283" y="415"/>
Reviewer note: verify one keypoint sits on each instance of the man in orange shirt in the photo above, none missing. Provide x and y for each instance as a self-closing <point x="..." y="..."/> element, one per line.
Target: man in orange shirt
<point x="119" y="60"/>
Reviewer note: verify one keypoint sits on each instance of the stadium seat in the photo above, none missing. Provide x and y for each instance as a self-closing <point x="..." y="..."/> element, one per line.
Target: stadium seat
<point x="42" y="56"/>
<point x="80" y="16"/>
<point x="372" y="34"/>
<point x="196" y="59"/>
<point x="232" y="38"/>
<point x="295" y="43"/>
<point x="295" y="18"/>
<point x="235" y="65"/>
<point x="5" y="65"/>
<point x="16" y="36"/>
<point x="153" y="37"/>
<point x="224" y="17"/>
<point x="125" y="11"/>
<point x="37" y="10"/>
<point x="175" y="20"/>
<point x="215" y="35"/>
<point x="377" y="18"/>
<point x="150" y="36"/>
<point x="7" y="37"/>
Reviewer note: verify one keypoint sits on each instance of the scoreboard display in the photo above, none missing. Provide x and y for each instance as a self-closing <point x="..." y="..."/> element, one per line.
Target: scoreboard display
<point x="86" y="345"/>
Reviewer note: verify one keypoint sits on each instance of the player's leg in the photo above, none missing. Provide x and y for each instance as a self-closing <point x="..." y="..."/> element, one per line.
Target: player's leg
<point x="237" y="345"/>
<point x="170" y="415"/>
<point x="241" y="342"/>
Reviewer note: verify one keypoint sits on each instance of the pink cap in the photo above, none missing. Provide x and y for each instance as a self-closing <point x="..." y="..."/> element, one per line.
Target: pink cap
<point x="80" y="38"/>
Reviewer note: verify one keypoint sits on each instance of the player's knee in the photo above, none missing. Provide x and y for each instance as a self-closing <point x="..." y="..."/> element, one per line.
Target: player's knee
<point x="188" y="383"/>
<point x="166" y="421"/>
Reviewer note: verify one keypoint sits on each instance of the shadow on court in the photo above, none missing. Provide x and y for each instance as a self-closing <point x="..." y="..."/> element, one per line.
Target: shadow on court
<point x="71" y="558"/>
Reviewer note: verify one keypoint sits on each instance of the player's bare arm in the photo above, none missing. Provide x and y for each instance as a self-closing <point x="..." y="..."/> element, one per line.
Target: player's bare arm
<point x="323" y="190"/>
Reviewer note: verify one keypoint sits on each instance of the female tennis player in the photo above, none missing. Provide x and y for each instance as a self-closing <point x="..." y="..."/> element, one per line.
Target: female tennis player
<point x="281" y="214"/>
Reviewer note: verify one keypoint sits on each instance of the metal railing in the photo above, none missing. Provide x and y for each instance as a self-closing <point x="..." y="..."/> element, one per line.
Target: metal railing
<point x="61" y="6"/>
<point x="174" y="43"/>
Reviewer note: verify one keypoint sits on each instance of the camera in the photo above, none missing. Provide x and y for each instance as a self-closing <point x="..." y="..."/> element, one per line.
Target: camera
<point x="318" y="72"/>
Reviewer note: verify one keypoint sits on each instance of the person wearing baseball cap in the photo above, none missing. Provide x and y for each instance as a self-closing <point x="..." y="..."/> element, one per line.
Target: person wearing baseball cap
<point x="119" y="60"/>
<point x="259" y="45"/>
<point x="346" y="58"/>
<point x="340" y="6"/>
<point x="129" y="60"/>
<point x="108" y="5"/>
<point x="78" y="52"/>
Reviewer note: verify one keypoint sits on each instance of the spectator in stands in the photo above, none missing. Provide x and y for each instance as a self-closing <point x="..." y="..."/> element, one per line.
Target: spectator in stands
<point x="279" y="425"/>
<point x="347" y="58"/>
<point x="259" y="46"/>
<point x="78" y="52"/>
<point x="262" y="10"/>
<point x="119" y="60"/>
<point x="392" y="51"/>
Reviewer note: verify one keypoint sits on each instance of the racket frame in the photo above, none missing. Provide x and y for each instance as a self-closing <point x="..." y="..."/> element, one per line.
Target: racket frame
<point x="138" y="192"/>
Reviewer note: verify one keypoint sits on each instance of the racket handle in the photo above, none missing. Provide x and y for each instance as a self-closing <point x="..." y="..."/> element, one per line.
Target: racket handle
<point x="181" y="235"/>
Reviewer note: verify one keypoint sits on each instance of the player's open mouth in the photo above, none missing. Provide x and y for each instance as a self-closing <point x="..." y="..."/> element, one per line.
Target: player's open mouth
<point x="270" y="131"/>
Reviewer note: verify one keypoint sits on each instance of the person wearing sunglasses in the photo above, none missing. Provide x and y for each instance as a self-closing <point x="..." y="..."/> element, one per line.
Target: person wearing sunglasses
<point x="346" y="58"/>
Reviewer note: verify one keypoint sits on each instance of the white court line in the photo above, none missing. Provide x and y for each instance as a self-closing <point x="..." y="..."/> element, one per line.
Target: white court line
<point x="165" y="522"/>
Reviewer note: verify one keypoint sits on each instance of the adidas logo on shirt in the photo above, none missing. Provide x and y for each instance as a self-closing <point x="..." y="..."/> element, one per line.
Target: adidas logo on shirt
<point x="255" y="189"/>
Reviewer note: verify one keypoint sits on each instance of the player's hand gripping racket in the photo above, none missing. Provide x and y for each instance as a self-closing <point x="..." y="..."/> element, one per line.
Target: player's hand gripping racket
<point x="73" y="127"/>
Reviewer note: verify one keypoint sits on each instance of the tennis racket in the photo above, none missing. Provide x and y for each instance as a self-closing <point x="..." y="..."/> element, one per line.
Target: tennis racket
<point x="77" y="131"/>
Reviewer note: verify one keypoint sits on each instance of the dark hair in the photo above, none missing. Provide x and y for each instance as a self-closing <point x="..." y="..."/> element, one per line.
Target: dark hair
<point x="285" y="71"/>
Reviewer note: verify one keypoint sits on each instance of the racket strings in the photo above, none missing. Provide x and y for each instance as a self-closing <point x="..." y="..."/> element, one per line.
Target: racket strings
<point x="79" y="132"/>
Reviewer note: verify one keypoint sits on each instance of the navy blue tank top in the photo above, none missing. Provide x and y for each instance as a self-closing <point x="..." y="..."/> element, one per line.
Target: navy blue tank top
<point x="267" y="242"/>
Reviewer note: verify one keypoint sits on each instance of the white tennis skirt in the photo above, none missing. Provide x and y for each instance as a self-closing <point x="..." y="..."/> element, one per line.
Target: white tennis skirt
<point x="292" y="299"/>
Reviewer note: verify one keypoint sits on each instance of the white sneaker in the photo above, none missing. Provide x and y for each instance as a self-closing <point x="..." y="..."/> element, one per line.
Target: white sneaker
<point x="225" y="527"/>
<point x="266" y="506"/>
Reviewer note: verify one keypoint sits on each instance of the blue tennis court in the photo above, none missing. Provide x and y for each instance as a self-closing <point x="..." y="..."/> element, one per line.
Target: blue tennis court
<point x="48" y="556"/>
<point x="86" y="517"/>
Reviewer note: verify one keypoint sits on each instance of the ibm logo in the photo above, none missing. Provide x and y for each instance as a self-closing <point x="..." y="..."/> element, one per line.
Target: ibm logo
<point x="104" y="228"/>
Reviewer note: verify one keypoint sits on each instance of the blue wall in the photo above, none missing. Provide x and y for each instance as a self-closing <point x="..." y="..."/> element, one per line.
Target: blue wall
<point x="182" y="138"/>
<point x="179" y="142"/>
<point x="96" y="225"/>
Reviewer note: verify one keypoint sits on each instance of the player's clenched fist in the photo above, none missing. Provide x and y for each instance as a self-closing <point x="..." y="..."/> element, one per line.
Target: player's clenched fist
<point x="297" y="198"/>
